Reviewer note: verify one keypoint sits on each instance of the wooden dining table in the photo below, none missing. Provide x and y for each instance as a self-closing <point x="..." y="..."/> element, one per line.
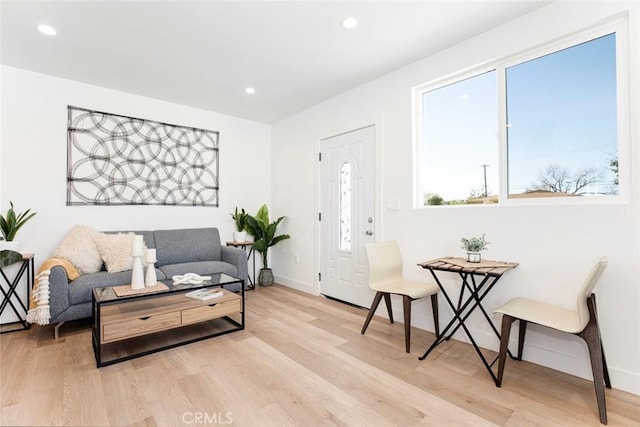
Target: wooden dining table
<point x="478" y="279"/>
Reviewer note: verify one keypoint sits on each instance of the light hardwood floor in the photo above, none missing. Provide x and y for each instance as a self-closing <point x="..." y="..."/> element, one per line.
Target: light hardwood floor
<point x="300" y="361"/>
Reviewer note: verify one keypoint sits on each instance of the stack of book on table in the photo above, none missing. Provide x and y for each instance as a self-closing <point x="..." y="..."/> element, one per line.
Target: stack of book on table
<point x="205" y="294"/>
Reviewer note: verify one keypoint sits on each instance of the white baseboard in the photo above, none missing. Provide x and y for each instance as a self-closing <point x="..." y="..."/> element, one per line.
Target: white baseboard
<point x="296" y="284"/>
<point x="572" y="364"/>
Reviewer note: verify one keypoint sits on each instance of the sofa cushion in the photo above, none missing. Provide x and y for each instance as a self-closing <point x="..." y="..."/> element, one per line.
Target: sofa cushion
<point x="187" y="245"/>
<point x="202" y="268"/>
<point x="81" y="288"/>
<point x="78" y="246"/>
<point x="147" y="236"/>
<point x="115" y="250"/>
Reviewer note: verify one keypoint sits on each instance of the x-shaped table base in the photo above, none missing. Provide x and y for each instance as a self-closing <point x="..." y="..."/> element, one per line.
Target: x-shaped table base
<point x="28" y="267"/>
<point x="476" y="293"/>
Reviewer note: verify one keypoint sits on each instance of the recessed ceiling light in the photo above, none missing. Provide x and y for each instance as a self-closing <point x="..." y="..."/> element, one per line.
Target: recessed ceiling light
<point x="349" y="23"/>
<point x="464" y="97"/>
<point x="47" y="29"/>
<point x="250" y="90"/>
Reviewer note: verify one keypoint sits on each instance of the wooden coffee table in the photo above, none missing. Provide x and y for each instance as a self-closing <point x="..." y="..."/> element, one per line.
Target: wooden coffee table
<point x="132" y="326"/>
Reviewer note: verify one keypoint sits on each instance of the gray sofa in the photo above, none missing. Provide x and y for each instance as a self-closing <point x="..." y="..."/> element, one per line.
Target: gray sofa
<point x="194" y="250"/>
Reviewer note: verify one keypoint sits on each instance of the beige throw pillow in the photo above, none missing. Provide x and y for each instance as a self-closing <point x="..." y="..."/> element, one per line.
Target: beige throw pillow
<point x="115" y="250"/>
<point x="78" y="246"/>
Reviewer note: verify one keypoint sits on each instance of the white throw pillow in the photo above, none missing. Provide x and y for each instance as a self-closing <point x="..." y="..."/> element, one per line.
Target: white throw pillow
<point x="78" y="246"/>
<point x="115" y="250"/>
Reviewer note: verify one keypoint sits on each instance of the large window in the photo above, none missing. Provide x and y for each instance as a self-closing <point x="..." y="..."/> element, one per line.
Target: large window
<point x="561" y="122"/>
<point x="541" y="125"/>
<point x="459" y="130"/>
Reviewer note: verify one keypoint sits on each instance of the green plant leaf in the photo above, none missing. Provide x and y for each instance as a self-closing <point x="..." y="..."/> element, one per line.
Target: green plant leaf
<point x="270" y="232"/>
<point x="279" y="220"/>
<point x="260" y="245"/>
<point x="11" y="223"/>
<point x="241" y="219"/>
<point x="8" y="257"/>
<point x="474" y="244"/>
<point x="264" y="232"/>
<point x="253" y="228"/>
<point x="279" y="238"/>
<point x="263" y="215"/>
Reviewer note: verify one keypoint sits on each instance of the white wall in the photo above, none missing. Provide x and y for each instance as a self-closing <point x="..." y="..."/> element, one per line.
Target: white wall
<point x="33" y="165"/>
<point x="554" y="244"/>
<point x="1" y="126"/>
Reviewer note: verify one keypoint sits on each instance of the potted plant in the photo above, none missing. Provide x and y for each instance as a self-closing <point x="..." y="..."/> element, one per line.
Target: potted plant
<point x="9" y="226"/>
<point x="241" y="225"/>
<point x="473" y="246"/>
<point x="264" y="233"/>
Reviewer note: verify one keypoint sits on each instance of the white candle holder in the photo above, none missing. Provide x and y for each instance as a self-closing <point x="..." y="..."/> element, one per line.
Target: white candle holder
<point x="137" y="246"/>
<point x="151" y="279"/>
<point x="137" y="272"/>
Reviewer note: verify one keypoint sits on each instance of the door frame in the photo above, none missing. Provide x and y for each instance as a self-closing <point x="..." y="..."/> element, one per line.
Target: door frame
<point x="378" y="197"/>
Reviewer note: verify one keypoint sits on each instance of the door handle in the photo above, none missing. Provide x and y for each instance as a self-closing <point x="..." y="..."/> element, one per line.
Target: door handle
<point x="369" y="232"/>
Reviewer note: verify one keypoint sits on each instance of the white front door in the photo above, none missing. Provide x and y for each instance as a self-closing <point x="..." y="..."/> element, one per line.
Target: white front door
<point x="347" y="220"/>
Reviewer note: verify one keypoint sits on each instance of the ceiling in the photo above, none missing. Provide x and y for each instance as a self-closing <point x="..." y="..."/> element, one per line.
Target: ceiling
<point x="204" y="54"/>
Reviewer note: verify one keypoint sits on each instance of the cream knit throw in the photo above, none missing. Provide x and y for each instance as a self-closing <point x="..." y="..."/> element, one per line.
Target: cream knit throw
<point x="40" y="294"/>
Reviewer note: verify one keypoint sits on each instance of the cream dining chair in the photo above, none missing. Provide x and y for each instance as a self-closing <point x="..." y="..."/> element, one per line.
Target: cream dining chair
<point x="385" y="277"/>
<point x="582" y="322"/>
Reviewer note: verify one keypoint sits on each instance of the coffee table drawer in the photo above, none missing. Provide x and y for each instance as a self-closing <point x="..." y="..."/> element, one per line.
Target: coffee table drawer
<point x="140" y="326"/>
<point x="211" y="311"/>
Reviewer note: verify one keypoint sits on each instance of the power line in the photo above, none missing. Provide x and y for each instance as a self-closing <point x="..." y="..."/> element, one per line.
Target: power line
<point x="486" y="194"/>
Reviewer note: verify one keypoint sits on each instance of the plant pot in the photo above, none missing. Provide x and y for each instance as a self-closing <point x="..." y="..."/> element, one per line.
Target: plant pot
<point x="474" y="257"/>
<point x="13" y="245"/>
<point x="9" y="257"/>
<point x="240" y="236"/>
<point x="266" y="277"/>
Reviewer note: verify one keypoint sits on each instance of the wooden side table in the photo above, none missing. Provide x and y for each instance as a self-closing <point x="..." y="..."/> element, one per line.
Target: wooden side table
<point x="26" y="265"/>
<point x="477" y="279"/>
<point x="250" y="255"/>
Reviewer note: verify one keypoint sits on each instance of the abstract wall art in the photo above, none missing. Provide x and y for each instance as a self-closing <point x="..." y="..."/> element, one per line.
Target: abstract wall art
<point x="119" y="160"/>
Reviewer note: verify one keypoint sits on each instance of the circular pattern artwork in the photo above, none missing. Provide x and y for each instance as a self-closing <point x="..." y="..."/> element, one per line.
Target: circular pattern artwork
<point x="119" y="160"/>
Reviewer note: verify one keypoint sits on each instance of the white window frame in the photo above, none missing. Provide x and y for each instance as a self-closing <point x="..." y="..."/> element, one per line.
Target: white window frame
<point x="618" y="26"/>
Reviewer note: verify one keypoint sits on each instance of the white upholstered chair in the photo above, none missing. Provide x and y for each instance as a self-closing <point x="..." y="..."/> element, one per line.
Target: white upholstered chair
<point x="385" y="277"/>
<point x="582" y="322"/>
